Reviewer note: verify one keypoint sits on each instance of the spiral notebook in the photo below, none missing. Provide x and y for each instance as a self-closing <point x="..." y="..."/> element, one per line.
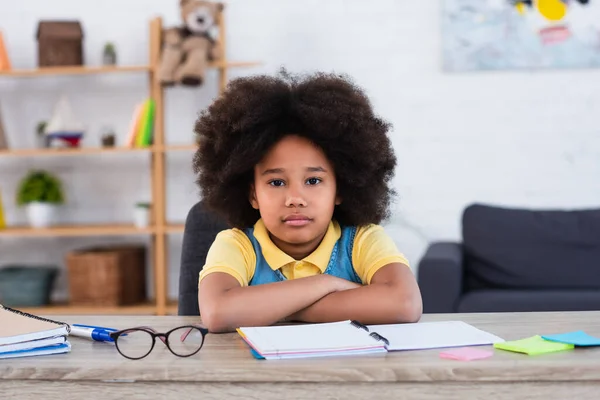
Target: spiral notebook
<point x="23" y="334"/>
<point x="352" y="338"/>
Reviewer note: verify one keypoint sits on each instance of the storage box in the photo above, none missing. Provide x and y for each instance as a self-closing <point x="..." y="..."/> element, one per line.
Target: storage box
<point x="26" y="286"/>
<point x="60" y="43"/>
<point x="107" y="276"/>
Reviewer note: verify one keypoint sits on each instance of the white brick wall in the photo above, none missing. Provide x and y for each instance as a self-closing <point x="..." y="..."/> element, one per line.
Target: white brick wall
<point x="511" y="138"/>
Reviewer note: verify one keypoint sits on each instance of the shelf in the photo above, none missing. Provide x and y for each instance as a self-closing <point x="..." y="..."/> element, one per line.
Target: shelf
<point x="180" y="147"/>
<point x="76" y="230"/>
<point x="66" y="309"/>
<point x="174" y="228"/>
<point x="233" y="64"/>
<point x="95" y="70"/>
<point x="74" y="70"/>
<point x="71" y="151"/>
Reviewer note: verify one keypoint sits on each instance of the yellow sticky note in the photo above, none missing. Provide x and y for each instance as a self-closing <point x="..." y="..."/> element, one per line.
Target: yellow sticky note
<point x="533" y="346"/>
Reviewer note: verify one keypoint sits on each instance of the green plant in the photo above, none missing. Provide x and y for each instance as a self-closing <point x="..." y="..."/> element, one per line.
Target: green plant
<point x="40" y="186"/>
<point x="41" y="127"/>
<point x="109" y="48"/>
<point x="142" y="204"/>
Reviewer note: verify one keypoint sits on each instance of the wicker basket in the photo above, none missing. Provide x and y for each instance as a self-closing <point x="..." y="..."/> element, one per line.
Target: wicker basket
<point x="110" y="276"/>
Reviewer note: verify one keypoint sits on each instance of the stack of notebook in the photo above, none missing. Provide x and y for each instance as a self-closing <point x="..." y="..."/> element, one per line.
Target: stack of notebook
<point x="24" y="335"/>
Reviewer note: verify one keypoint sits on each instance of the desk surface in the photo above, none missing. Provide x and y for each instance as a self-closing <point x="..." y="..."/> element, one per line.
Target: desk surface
<point x="225" y="359"/>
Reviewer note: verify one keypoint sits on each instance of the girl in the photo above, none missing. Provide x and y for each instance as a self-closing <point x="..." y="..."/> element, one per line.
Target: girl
<point x="300" y="168"/>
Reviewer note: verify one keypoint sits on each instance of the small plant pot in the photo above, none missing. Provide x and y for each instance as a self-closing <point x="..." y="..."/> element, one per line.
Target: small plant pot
<point x="142" y="216"/>
<point x="41" y="215"/>
<point x="109" y="57"/>
<point x="108" y="140"/>
<point x="25" y="286"/>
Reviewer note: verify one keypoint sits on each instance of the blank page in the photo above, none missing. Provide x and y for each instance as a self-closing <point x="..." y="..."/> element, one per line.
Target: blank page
<point x="308" y="338"/>
<point x="431" y="335"/>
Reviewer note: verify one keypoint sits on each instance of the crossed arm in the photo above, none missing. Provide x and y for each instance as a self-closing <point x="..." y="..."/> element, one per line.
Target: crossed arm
<point x="393" y="296"/>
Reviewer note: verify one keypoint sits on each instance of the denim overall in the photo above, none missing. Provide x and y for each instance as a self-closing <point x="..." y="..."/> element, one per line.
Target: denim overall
<point x="340" y="261"/>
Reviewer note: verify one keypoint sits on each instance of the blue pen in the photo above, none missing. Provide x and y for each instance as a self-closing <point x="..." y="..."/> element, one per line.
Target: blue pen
<point x="97" y="333"/>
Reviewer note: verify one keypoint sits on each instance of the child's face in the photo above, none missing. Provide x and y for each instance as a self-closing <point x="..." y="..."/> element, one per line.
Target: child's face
<point x="295" y="192"/>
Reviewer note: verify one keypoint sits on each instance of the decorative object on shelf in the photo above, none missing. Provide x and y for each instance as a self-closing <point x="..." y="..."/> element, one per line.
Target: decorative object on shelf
<point x="108" y="140"/>
<point x="107" y="276"/>
<point x="26" y="286"/>
<point x="63" y="129"/>
<point x="42" y="139"/>
<point x="188" y="48"/>
<point x="108" y="137"/>
<point x="41" y="192"/>
<point x="109" y="55"/>
<point x="142" y="214"/>
<point x="3" y="140"/>
<point x="4" y="59"/>
<point x="60" y="43"/>
<point x="2" y="219"/>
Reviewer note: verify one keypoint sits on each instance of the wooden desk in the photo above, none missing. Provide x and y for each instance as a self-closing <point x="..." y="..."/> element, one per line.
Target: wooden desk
<point x="224" y="367"/>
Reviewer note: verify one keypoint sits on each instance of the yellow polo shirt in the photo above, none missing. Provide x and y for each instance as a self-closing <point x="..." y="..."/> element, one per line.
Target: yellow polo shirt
<point x="232" y="253"/>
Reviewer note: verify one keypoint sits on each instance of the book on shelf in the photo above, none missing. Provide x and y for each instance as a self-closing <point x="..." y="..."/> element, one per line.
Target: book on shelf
<point x="4" y="59"/>
<point x="2" y="218"/>
<point x="23" y="334"/>
<point x="354" y="338"/>
<point x="141" y="126"/>
<point x="3" y="139"/>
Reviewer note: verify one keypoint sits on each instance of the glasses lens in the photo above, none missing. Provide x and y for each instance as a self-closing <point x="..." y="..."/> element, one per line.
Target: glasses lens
<point x="135" y="344"/>
<point x="185" y="341"/>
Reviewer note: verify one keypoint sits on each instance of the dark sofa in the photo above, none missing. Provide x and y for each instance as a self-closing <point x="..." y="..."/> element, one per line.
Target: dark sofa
<point x="515" y="260"/>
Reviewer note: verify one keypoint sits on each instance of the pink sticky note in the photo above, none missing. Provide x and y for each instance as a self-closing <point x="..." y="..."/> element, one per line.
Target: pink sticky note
<point x="466" y="354"/>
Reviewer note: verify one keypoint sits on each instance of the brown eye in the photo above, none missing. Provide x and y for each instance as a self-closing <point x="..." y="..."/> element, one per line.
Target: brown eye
<point x="313" y="181"/>
<point x="276" y="182"/>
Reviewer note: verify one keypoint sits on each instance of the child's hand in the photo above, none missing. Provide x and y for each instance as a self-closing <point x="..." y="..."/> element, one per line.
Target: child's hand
<point x="340" y="284"/>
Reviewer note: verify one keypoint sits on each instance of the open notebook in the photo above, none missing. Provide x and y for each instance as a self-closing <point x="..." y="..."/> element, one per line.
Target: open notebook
<point x="351" y="338"/>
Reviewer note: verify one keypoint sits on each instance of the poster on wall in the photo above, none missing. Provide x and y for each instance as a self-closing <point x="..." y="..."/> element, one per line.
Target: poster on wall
<point x="520" y="34"/>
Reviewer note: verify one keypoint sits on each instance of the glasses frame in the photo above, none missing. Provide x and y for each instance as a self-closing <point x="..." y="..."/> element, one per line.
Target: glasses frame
<point x="163" y="336"/>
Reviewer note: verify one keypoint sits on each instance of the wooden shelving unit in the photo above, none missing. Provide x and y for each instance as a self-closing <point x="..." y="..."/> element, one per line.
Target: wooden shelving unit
<point x="72" y="152"/>
<point x="160" y="305"/>
<point x="76" y="230"/>
<point x="75" y="70"/>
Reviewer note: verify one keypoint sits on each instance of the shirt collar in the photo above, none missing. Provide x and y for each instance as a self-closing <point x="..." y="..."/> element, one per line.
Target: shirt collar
<point x="276" y="258"/>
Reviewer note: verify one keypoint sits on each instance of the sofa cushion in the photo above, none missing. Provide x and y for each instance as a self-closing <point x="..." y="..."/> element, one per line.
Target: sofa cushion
<point x="521" y="249"/>
<point x="496" y="300"/>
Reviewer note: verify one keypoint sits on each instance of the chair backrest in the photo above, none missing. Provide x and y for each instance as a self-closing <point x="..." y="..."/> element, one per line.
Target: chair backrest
<point x="531" y="249"/>
<point x="201" y="228"/>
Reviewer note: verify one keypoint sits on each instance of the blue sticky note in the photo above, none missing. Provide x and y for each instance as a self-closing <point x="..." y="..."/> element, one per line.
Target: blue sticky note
<point x="578" y="338"/>
<point x="256" y="354"/>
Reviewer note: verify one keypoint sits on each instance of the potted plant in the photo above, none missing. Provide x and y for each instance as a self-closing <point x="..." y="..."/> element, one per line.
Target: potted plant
<point x="41" y="192"/>
<point x="141" y="214"/>
<point x="109" y="57"/>
<point x="41" y="134"/>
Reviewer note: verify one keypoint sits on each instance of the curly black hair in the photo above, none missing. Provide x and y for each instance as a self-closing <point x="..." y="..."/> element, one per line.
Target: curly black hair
<point x="254" y="113"/>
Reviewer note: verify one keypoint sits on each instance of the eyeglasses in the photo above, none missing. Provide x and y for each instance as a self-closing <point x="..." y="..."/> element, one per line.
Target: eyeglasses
<point x="136" y="343"/>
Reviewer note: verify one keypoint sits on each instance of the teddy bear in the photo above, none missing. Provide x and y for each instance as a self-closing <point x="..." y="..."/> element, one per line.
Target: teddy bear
<point x="187" y="49"/>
